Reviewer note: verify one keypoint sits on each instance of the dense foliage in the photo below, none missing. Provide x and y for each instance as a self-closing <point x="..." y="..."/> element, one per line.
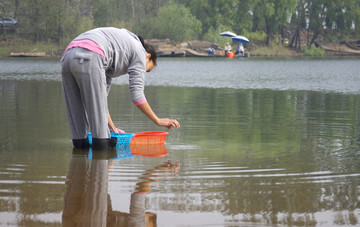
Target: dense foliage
<point x="262" y="21"/>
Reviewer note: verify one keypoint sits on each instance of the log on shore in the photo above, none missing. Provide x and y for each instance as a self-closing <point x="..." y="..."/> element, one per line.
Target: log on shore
<point x="28" y="54"/>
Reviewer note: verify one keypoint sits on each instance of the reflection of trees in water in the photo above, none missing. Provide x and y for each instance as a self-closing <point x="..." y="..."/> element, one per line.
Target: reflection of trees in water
<point x="256" y="200"/>
<point x="309" y="134"/>
<point x="290" y="200"/>
<point x="87" y="203"/>
<point x="275" y="197"/>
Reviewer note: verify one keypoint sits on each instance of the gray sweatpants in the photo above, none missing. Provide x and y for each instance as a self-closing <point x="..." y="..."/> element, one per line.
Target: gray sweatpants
<point x="84" y="86"/>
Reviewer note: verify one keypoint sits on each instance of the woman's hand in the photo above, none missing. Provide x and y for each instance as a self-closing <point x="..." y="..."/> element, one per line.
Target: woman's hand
<point x="112" y="127"/>
<point x="117" y="130"/>
<point x="168" y="123"/>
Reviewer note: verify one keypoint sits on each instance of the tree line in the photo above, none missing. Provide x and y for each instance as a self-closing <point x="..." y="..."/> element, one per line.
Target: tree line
<point x="262" y="21"/>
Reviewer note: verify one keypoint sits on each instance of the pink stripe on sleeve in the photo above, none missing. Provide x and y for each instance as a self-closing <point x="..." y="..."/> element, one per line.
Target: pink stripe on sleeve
<point x="140" y="102"/>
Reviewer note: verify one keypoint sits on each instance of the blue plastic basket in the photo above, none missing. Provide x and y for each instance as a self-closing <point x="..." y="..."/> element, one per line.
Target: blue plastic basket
<point x="123" y="139"/>
<point x="122" y="152"/>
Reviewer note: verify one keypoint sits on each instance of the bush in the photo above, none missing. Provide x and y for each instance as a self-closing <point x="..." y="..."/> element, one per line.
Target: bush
<point x="255" y="36"/>
<point x="212" y="35"/>
<point x="272" y="50"/>
<point x="314" y="51"/>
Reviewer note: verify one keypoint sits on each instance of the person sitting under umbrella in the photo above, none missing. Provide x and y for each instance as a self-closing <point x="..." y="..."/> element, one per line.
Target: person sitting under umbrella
<point x="227" y="49"/>
<point x="240" y="50"/>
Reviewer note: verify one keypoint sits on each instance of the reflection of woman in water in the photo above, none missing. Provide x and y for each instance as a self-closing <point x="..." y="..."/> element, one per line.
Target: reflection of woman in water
<point x="137" y="215"/>
<point x="86" y="199"/>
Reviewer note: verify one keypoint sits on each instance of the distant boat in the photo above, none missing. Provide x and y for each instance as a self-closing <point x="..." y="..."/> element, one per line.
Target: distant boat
<point x="171" y="53"/>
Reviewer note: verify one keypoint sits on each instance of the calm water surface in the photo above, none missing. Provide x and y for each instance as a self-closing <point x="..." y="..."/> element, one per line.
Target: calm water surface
<point x="261" y="143"/>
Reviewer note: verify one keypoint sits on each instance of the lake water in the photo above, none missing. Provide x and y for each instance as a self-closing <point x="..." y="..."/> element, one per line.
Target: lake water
<point x="262" y="143"/>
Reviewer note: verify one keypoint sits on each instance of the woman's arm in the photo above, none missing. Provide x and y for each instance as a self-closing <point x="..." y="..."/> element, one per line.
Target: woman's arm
<point x="168" y="123"/>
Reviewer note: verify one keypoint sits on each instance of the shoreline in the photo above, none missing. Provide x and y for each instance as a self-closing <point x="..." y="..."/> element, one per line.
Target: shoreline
<point x="195" y="48"/>
<point x="49" y="54"/>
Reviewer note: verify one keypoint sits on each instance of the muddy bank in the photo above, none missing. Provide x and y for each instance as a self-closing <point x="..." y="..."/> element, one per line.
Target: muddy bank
<point x="350" y="48"/>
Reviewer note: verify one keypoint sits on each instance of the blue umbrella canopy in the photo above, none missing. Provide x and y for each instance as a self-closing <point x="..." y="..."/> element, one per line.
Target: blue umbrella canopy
<point x="228" y="34"/>
<point x="240" y="39"/>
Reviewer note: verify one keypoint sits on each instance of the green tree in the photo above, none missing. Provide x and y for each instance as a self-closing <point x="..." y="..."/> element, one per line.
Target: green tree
<point x="353" y="14"/>
<point x="298" y="22"/>
<point x="177" y="23"/>
<point x="213" y="14"/>
<point x="102" y="14"/>
<point x="243" y="18"/>
<point x="262" y="13"/>
<point x="271" y="15"/>
<point x="4" y="6"/>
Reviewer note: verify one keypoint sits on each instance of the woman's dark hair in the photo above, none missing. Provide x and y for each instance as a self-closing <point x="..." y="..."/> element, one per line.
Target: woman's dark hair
<point x="148" y="48"/>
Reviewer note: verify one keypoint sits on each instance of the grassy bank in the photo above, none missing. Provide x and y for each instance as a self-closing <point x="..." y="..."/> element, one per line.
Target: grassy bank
<point x="275" y="51"/>
<point x="37" y="47"/>
<point x="15" y="44"/>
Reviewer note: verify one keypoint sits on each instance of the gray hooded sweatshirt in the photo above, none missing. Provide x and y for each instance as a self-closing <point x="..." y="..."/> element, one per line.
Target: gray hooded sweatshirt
<point x="124" y="54"/>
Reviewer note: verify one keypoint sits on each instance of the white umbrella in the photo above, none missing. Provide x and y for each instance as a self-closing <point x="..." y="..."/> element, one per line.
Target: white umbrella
<point x="228" y="34"/>
<point x="240" y="39"/>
